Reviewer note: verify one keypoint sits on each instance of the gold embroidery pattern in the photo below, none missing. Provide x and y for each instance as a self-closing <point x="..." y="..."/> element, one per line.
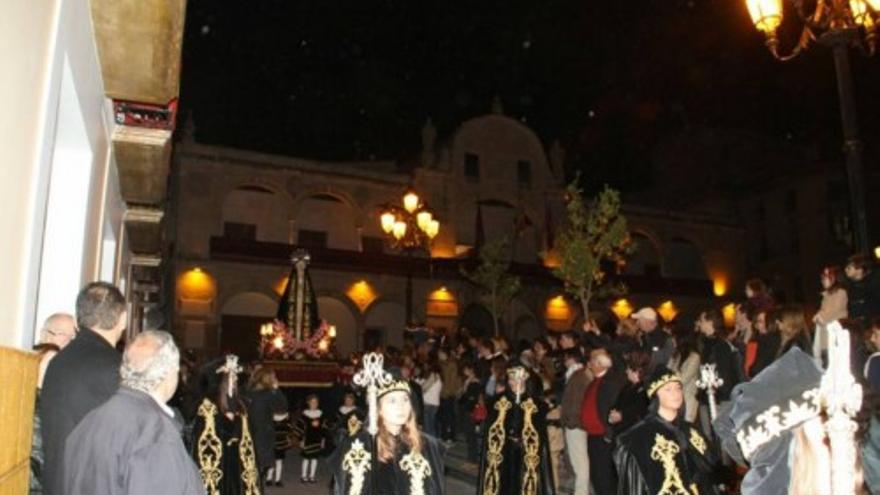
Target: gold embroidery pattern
<point x="531" y="447"/>
<point x="665" y="450"/>
<point x="356" y="463"/>
<point x="210" y="449"/>
<point x="694" y="489"/>
<point x="246" y="454"/>
<point x="698" y="441"/>
<point x="418" y="470"/>
<point x="663" y="380"/>
<point x="354" y="424"/>
<point x="494" y="446"/>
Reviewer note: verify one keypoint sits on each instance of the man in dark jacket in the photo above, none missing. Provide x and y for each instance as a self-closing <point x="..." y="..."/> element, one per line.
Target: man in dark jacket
<point x="132" y="444"/>
<point x="718" y="350"/>
<point x="863" y="291"/>
<point x="82" y="376"/>
<point x="599" y="397"/>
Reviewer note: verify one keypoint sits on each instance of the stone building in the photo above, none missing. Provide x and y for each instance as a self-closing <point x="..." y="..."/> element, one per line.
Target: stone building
<point x="237" y="215"/>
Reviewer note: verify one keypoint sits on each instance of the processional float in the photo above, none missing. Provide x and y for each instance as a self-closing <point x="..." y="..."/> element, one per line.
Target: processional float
<point x="298" y="344"/>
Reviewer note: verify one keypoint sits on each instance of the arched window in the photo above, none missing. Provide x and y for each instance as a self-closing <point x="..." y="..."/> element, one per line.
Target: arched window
<point x="684" y="260"/>
<point x="254" y="213"/>
<point x="644" y="259"/>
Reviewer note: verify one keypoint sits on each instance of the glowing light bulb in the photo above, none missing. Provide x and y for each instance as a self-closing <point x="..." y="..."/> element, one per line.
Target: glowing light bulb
<point x="399" y="230"/>
<point x="411" y="201"/>
<point x="423" y="220"/>
<point x="388" y="220"/>
<point x="766" y="14"/>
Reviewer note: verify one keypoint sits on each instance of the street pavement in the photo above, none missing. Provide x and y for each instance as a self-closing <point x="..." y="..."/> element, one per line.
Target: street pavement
<point x="292" y="485"/>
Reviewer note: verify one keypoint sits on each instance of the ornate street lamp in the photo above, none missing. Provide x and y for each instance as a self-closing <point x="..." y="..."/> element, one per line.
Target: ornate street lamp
<point x="409" y="226"/>
<point x="836" y="24"/>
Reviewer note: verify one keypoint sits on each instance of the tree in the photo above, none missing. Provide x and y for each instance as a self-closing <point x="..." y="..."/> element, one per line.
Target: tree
<point x="593" y="239"/>
<point x="492" y="275"/>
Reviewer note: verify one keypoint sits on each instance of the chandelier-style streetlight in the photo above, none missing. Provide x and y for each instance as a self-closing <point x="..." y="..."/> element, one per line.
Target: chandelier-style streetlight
<point x="409" y="226"/>
<point x="837" y="24"/>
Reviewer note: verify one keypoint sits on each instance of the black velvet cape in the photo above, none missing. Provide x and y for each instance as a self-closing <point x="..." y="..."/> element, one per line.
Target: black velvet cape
<point x="639" y="458"/>
<point x="390" y="477"/>
<point x="509" y="475"/>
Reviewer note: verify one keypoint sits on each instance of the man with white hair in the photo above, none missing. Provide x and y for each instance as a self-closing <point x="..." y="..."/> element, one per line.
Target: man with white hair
<point x="132" y="444"/>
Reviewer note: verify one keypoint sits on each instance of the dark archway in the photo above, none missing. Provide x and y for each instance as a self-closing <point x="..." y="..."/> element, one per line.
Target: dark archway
<point x="478" y="320"/>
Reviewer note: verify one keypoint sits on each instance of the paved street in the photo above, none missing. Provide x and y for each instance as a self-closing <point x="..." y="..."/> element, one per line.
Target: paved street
<point x="292" y="485"/>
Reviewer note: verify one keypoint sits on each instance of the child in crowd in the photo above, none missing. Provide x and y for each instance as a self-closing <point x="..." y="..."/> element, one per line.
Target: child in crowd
<point x="283" y="443"/>
<point x="311" y="431"/>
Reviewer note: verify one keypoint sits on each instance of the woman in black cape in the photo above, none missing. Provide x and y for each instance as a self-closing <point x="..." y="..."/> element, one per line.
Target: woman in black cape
<point x="407" y="462"/>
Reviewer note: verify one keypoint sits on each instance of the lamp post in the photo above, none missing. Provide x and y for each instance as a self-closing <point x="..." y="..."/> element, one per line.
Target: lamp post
<point x="409" y="226"/>
<point x="836" y="24"/>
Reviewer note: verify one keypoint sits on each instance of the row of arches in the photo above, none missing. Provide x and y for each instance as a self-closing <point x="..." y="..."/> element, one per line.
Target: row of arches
<point x="383" y="322"/>
<point x="675" y="258"/>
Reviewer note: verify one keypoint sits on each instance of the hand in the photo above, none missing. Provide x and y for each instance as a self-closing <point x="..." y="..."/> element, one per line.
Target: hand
<point x="614" y="417"/>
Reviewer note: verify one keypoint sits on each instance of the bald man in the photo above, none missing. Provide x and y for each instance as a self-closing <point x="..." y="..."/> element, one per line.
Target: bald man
<point x="132" y="444"/>
<point x="58" y="330"/>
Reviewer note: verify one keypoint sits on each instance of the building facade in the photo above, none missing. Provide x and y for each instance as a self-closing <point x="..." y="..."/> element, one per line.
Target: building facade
<point x="83" y="173"/>
<point x="236" y="217"/>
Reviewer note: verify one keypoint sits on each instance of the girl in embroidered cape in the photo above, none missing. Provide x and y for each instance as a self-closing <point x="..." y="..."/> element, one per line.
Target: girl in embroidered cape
<point x="408" y="462"/>
<point x="222" y="444"/>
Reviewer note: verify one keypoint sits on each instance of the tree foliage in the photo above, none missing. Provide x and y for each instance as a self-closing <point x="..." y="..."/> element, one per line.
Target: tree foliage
<point x="594" y="239"/>
<point x="497" y="285"/>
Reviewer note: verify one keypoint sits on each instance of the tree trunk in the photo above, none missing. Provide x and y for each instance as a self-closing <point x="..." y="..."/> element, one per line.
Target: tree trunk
<point x="585" y="297"/>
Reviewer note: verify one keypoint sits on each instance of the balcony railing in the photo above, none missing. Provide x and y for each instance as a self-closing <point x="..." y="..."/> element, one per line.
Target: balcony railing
<point x="274" y="253"/>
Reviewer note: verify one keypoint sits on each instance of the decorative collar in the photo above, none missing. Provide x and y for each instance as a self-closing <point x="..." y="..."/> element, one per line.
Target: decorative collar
<point x="312" y="413"/>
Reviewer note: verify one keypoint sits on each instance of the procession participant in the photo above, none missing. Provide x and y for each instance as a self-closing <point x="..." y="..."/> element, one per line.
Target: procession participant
<point x="222" y="445"/>
<point x="349" y="418"/>
<point x="311" y="430"/>
<point x="407" y="461"/>
<point x="663" y="453"/>
<point x="265" y="401"/>
<point x="774" y="426"/>
<point x="516" y="454"/>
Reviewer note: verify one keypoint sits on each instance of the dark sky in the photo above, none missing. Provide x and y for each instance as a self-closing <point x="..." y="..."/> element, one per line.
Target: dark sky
<point x="613" y="81"/>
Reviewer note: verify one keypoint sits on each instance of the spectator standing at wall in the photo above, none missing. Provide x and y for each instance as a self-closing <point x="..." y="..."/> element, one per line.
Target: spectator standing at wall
<point x="58" y="330"/>
<point x="132" y="444"/>
<point x="82" y="376"/>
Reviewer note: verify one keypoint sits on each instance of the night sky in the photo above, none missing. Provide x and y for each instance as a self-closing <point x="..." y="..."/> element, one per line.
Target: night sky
<point x="615" y="82"/>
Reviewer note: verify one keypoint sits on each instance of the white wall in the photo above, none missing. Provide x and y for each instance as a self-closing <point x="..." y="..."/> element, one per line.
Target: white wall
<point x="49" y="120"/>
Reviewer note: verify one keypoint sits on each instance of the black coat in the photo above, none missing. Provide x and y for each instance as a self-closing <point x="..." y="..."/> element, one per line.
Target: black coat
<point x="129" y="445"/>
<point x="863" y="297"/>
<point x="632" y="403"/>
<point x="653" y="451"/>
<point x="728" y="365"/>
<point x="262" y="406"/>
<point x="80" y="378"/>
